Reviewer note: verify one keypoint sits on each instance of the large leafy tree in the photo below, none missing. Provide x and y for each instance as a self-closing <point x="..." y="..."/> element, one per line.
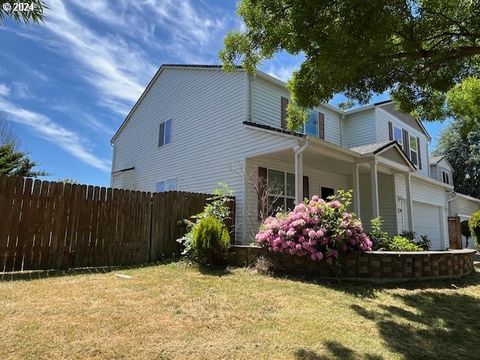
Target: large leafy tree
<point x="463" y="101"/>
<point x="416" y="49"/>
<point x="26" y="11"/>
<point x="462" y="150"/>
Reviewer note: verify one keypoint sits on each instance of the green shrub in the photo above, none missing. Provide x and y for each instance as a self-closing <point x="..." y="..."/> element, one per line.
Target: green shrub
<point x="475" y="226"/>
<point x="218" y="207"/>
<point x="410" y="235"/>
<point x="400" y="243"/>
<point x="424" y="242"/>
<point x="209" y="238"/>
<point x="380" y="238"/>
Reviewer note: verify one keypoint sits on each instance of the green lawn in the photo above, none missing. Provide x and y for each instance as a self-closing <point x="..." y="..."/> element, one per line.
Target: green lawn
<point x="179" y="311"/>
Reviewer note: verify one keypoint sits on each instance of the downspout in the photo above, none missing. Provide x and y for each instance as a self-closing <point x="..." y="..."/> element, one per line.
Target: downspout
<point x="298" y="152"/>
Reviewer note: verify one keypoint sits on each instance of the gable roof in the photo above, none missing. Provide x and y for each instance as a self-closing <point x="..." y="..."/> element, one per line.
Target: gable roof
<point x="152" y="81"/>
<point x="378" y="148"/>
<point x="434" y="160"/>
<point x="259" y="73"/>
<point x="263" y="75"/>
<point x="389" y="107"/>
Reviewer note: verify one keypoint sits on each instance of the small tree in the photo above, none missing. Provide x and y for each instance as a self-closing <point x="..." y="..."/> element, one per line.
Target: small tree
<point x="265" y="205"/>
<point x="475" y="226"/>
<point x="465" y="228"/>
<point x="16" y="163"/>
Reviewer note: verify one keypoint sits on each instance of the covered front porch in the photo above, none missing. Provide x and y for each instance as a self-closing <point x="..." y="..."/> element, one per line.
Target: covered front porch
<point x="287" y="176"/>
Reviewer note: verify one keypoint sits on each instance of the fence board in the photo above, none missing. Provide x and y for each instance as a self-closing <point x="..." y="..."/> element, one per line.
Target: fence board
<point x="12" y="250"/>
<point x="47" y="225"/>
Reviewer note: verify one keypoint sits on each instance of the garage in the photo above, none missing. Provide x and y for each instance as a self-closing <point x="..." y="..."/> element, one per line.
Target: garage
<point x="426" y="221"/>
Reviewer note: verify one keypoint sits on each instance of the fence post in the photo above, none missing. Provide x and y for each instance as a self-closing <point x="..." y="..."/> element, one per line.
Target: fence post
<point x="454" y="232"/>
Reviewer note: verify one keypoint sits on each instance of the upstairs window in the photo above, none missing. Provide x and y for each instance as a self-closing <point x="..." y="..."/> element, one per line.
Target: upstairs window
<point x="166" y="185"/>
<point x="165" y="133"/>
<point x="397" y="135"/>
<point x="311" y="126"/>
<point x="445" y="177"/>
<point x="414" y="150"/>
<point x="281" y="190"/>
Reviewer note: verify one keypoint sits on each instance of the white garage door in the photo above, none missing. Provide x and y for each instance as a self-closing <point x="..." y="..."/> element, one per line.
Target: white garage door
<point x="426" y="221"/>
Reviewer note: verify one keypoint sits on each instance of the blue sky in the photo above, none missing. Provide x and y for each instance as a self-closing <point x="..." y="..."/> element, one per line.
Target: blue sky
<point x="67" y="84"/>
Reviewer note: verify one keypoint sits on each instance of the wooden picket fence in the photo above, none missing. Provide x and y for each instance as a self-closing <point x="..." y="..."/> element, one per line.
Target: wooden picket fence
<point x="54" y="225"/>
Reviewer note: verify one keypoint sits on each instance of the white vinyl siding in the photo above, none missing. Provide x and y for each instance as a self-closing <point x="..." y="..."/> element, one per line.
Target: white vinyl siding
<point x="437" y="171"/>
<point x="387" y="206"/>
<point x="383" y="118"/>
<point x="266" y="98"/>
<point x="333" y="128"/>
<point x="462" y="205"/>
<point x="208" y="107"/>
<point x="124" y="179"/>
<point x="266" y="102"/>
<point x="360" y="128"/>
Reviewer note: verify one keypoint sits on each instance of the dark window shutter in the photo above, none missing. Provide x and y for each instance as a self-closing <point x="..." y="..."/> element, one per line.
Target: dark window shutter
<point x="390" y="131"/>
<point x="262" y="188"/>
<point x="419" y="154"/>
<point x="306" y="188"/>
<point x="283" y="112"/>
<point x="161" y="134"/>
<point x="406" y="143"/>
<point x="321" y="126"/>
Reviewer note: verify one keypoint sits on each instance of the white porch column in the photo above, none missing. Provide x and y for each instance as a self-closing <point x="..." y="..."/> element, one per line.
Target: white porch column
<point x="298" y="177"/>
<point x="374" y="184"/>
<point x="356" y="190"/>
<point x="409" y="201"/>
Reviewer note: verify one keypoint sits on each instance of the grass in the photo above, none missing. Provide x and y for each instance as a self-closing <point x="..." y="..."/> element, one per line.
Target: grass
<point x="179" y="311"/>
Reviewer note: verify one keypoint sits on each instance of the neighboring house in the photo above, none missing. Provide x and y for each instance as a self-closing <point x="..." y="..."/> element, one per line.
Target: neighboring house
<point x="196" y="125"/>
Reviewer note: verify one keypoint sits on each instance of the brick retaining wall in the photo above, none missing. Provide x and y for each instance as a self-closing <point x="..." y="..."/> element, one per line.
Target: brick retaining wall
<point x="371" y="266"/>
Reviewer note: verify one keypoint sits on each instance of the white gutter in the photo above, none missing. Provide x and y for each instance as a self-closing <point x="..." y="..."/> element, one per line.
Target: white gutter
<point x="298" y="151"/>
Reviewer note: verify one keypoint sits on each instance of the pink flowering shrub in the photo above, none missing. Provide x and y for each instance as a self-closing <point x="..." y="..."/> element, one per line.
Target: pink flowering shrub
<point x="318" y="229"/>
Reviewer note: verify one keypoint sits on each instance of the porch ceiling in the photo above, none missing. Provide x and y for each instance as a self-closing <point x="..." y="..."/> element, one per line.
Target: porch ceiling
<point x="318" y="159"/>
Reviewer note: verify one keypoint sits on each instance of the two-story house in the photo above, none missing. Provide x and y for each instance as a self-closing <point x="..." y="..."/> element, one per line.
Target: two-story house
<point x="196" y="125"/>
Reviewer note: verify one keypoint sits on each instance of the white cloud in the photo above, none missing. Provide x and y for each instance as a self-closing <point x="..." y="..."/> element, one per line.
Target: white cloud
<point x="22" y="91"/>
<point x="47" y="129"/>
<point x="114" y="67"/>
<point x="283" y="73"/>
<point x="4" y="90"/>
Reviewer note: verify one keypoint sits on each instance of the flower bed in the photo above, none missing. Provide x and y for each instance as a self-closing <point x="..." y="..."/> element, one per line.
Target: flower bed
<point x="317" y="229"/>
<point x="377" y="266"/>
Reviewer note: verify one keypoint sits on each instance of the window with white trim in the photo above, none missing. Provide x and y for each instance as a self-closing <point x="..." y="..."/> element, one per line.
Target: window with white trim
<point x="398" y="136"/>
<point x="165" y="133"/>
<point x="445" y="177"/>
<point x="166" y="185"/>
<point x="281" y="190"/>
<point x="414" y="150"/>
